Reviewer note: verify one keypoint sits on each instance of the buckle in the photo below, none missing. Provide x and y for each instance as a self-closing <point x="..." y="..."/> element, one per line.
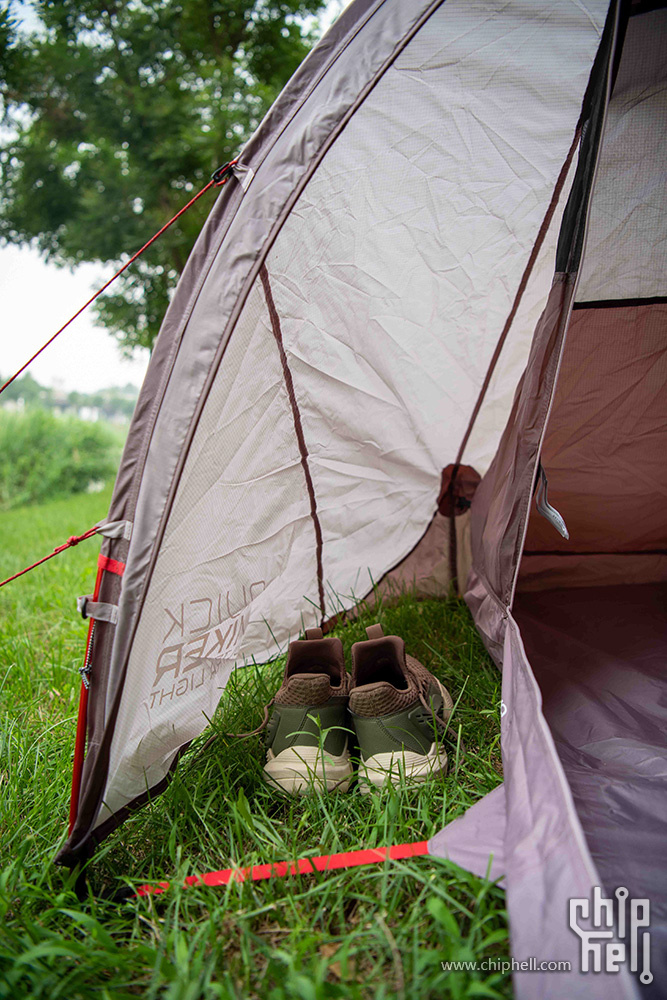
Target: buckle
<point x="221" y="175"/>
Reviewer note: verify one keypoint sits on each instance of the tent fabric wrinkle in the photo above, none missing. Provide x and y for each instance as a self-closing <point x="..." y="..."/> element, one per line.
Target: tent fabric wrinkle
<point x="177" y="383"/>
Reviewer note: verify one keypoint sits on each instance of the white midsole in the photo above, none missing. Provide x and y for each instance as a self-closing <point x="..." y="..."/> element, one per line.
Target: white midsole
<point x="302" y="769"/>
<point x="398" y="765"/>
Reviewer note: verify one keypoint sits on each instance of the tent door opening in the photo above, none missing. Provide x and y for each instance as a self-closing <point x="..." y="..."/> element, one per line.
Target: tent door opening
<point x="593" y="610"/>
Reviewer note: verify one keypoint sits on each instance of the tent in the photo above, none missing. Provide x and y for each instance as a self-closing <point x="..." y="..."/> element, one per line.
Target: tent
<point x="435" y="280"/>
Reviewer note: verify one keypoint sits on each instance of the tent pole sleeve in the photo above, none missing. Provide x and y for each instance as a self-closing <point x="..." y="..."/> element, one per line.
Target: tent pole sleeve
<point x="82" y="721"/>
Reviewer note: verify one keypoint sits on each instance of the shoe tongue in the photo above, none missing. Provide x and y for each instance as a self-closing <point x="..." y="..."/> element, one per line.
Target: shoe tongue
<point x="306" y="689"/>
<point x="381" y="698"/>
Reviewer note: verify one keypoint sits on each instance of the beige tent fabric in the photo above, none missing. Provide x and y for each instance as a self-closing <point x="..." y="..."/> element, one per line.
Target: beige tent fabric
<point x="391" y="280"/>
<point x="394" y="274"/>
<point x="221" y="571"/>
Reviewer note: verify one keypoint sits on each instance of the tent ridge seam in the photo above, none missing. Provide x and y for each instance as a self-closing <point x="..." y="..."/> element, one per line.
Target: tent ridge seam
<point x="298" y="429"/>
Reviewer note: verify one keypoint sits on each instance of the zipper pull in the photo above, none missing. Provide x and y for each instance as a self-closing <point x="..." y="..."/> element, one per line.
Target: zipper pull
<point x="544" y="507"/>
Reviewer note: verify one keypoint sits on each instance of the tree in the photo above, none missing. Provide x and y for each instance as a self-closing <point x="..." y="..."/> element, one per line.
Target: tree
<point x="117" y="112"/>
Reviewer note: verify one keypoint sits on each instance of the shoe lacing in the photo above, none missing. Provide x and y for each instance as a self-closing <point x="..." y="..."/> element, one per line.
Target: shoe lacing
<point x="422" y="682"/>
<point x="260" y="727"/>
<point x="429" y="708"/>
<point x="447" y="734"/>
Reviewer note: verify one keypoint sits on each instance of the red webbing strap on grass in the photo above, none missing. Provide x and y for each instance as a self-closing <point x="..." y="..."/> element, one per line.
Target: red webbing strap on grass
<point x="74" y="540"/>
<point x="304" y="866"/>
<point x="219" y="178"/>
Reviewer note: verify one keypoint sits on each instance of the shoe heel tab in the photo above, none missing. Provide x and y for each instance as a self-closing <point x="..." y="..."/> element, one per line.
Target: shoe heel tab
<point x="375" y="632"/>
<point x="314" y="633"/>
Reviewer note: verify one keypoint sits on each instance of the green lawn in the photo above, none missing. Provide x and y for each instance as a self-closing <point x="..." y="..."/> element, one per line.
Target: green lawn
<point x="378" y="931"/>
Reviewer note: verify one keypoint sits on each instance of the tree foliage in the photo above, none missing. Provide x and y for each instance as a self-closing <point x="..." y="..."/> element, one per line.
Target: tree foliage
<point x="43" y="456"/>
<point x="115" y="113"/>
<point x="115" y="403"/>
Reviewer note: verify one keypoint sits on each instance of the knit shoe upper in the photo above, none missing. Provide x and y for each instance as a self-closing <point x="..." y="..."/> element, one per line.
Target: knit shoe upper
<point x="399" y="709"/>
<point x="307" y="732"/>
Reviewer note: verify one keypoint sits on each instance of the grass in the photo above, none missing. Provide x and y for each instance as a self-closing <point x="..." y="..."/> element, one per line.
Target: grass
<point x="381" y="931"/>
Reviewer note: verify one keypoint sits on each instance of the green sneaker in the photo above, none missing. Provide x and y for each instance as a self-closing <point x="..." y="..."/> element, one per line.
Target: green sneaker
<point x="399" y="710"/>
<point x="307" y="732"/>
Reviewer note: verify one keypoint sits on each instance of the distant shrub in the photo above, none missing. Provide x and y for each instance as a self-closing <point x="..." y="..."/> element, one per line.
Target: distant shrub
<point x="43" y="456"/>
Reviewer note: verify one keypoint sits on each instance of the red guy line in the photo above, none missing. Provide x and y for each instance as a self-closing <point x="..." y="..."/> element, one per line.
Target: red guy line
<point x="74" y="540"/>
<point x="218" y="179"/>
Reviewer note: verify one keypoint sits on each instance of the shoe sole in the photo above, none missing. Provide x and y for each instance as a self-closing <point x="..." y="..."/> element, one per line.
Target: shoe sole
<point x="398" y="766"/>
<point x="299" y="770"/>
<point x="401" y="765"/>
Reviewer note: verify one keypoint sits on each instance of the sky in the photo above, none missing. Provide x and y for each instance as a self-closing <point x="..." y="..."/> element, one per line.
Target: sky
<point x="37" y="298"/>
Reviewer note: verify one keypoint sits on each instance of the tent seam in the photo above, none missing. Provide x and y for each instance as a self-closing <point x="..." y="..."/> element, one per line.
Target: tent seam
<point x="523" y="283"/>
<point x="298" y="429"/>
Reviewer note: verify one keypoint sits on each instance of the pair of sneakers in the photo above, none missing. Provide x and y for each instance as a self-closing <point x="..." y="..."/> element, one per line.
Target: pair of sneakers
<point x="395" y="707"/>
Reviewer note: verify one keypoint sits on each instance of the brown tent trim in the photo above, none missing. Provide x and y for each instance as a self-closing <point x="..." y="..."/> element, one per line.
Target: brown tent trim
<point x="619" y="552"/>
<point x="537" y="246"/>
<point x="655" y="300"/>
<point x="646" y="6"/>
<point x="298" y="428"/>
<point x="118" y="818"/>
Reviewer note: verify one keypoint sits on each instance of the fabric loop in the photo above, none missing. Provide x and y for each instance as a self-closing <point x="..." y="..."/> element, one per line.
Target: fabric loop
<point x="115" y="529"/>
<point x="98" y="610"/>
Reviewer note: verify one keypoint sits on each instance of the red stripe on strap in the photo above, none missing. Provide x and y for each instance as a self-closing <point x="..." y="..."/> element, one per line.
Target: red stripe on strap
<point x="304" y="866"/>
<point x="111" y="565"/>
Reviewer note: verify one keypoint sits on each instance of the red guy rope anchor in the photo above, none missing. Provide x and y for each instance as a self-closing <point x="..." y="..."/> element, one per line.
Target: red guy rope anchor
<point x="304" y="866"/>
<point x="217" y="180"/>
